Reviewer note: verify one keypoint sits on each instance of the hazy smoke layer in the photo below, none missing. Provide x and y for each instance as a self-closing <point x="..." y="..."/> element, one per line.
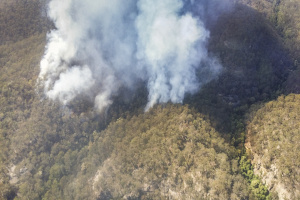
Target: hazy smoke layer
<point x="100" y="46"/>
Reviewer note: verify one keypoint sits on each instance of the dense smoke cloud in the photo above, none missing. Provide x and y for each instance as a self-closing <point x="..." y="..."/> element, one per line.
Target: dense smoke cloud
<point x="100" y="46"/>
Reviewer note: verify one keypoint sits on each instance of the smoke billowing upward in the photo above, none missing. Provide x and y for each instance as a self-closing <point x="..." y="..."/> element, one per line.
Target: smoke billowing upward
<point x="100" y="46"/>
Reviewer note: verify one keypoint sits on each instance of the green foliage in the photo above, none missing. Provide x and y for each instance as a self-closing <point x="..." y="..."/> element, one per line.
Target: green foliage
<point x="259" y="190"/>
<point x="246" y="168"/>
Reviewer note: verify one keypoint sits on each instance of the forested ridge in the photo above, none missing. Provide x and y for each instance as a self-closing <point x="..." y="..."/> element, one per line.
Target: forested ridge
<point x="236" y="138"/>
<point x="272" y="141"/>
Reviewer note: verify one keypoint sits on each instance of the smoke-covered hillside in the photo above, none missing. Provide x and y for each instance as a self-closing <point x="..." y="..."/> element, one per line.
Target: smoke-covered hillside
<point x="98" y="48"/>
<point x="149" y="99"/>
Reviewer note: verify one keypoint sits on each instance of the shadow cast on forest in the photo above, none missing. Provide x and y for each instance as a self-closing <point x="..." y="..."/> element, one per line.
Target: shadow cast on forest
<point x="256" y="66"/>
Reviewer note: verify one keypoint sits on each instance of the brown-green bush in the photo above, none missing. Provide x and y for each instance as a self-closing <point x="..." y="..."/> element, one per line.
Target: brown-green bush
<point x="273" y="135"/>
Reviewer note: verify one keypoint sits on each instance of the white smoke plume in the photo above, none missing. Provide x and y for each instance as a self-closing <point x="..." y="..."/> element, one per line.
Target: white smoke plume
<point x="100" y="46"/>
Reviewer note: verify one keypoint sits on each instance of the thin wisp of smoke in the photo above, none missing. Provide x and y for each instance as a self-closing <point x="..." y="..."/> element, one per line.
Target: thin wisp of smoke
<point x="100" y="46"/>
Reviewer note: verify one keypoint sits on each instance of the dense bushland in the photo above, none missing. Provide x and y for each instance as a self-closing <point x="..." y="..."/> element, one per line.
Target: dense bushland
<point x="174" y="151"/>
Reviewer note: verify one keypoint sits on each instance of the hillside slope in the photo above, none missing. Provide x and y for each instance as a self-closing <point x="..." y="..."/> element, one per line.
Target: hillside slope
<point x="285" y="18"/>
<point x="18" y="71"/>
<point x="273" y="135"/>
<point x="50" y="151"/>
<point x="167" y="153"/>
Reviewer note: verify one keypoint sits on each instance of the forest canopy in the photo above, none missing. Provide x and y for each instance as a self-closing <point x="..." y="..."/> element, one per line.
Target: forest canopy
<point x="236" y="138"/>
